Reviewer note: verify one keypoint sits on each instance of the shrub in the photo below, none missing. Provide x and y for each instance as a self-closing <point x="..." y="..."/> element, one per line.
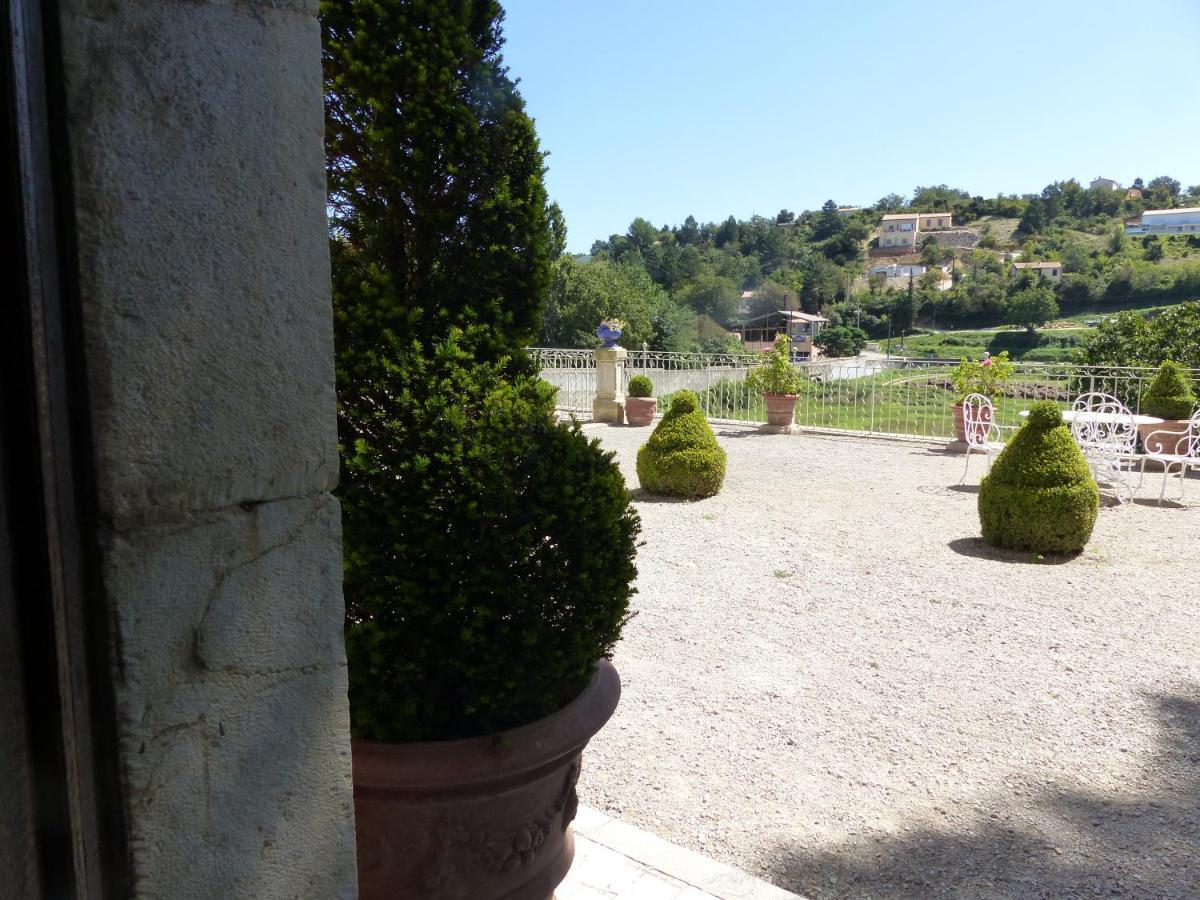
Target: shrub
<point x="777" y="375"/>
<point x="682" y="457"/>
<point x="489" y="552"/>
<point x="1040" y="495"/>
<point x="641" y="386"/>
<point x="1170" y="395"/>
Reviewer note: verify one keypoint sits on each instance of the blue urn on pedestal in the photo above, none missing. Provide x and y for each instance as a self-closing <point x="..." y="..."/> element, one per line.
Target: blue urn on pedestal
<point x="609" y="332"/>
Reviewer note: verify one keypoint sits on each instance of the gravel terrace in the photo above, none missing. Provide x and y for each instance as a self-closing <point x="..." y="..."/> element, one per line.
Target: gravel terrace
<point x="832" y="683"/>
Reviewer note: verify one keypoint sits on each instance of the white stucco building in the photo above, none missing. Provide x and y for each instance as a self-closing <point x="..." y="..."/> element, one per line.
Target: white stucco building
<point x="901" y="229"/>
<point x="1051" y="269"/>
<point x="1166" y="221"/>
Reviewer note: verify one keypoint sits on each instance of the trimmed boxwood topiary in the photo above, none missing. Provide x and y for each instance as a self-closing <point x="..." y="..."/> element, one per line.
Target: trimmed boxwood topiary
<point x="1170" y="394"/>
<point x="1040" y="495"/>
<point x="682" y="457"/>
<point x="641" y="386"/>
<point x="489" y="551"/>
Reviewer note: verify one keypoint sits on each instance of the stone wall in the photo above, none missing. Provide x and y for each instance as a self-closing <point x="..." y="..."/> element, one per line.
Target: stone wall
<point x="195" y="138"/>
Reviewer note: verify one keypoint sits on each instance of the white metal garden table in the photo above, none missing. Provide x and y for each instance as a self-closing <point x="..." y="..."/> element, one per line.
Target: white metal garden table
<point x="1101" y="418"/>
<point x="1107" y="437"/>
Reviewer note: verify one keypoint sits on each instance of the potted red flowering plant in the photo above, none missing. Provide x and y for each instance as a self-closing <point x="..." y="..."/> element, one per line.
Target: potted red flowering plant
<point x="978" y="376"/>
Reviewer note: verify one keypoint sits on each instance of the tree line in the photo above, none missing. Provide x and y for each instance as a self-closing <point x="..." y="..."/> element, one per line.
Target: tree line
<point x="680" y="287"/>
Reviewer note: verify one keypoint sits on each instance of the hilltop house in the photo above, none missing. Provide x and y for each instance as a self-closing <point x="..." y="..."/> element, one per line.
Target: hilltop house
<point x="1102" y="183"/>
<point x="1051" y="270"/>
<point x="803" y="328"/>
<point x="1165" y="221"/>
<point x="901" y="229"/>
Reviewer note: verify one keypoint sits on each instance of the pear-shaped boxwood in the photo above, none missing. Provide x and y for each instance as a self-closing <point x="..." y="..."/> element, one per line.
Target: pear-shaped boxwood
<point x="1170" y="394"/>
<point x="1040" y="495"/>
<point x="682" y="457"/>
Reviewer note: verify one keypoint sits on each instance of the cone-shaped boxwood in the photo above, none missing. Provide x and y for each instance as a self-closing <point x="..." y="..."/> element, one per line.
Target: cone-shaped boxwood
<point x="1040" y="495"/>
<point x="682" y="457"/>
<point x="1170" y="395"/>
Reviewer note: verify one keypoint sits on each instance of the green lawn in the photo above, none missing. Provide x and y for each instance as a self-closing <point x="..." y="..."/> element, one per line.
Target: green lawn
<point x="1049" y="345"/>
<point x="914" y="402"/>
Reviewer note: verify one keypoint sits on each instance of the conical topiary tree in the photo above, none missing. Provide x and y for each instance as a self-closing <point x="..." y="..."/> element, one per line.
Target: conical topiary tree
<point x="1040" y="495"/>
<point x="1170" y="394"/>
<point x="682" y="457"/>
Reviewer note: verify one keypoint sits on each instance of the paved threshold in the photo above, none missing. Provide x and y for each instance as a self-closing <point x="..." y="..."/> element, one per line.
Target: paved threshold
<point x="615" y="861"/>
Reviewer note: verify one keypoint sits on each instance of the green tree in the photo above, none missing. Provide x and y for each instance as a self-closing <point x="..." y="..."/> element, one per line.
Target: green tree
<point x="713" y="296"/>
<point x="842" y="340"/>
<point x="1129" y="339"/>
<point x="820" y="282"/>
<point x="931" y="252"/>
<point x="583" y="294"/>
<point x="1032" y="307"/>
<point x="889" y="203"/>
<point x="1163" y="191"/>
<point x="770" y="297"/>
<point x="642" y="235"/>
<point x="1152" y="247"/>
<point x="689" y="232"/>
<point x="828" y="221"/>
<point x="437" y="208"/>
<point x="904" y="310"/>
<point x="727" y="233"/>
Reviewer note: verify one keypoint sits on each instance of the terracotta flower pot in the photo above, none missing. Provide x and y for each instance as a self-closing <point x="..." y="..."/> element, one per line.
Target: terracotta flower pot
<point x="484" y="818"/>
<point x="1161" y="443"/>
<point x="640" y="410"/>
<point x="960" y="422"/>
<point x="781" y="408"/>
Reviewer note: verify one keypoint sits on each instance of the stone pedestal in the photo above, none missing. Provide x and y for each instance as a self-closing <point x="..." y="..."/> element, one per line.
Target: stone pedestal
<point x="609" y="403"/>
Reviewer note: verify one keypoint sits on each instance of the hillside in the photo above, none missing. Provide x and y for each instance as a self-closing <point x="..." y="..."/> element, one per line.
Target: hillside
<point x="682" y="285"/>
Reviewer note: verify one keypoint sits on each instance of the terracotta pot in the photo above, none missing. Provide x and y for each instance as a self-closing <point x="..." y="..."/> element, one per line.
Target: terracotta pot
<point x="484" y="818"/>
<point x="1162" y="443"/>
<point x="781" y="408"/>
<point x="960" y="422"/>
<point x="640" y="410"/>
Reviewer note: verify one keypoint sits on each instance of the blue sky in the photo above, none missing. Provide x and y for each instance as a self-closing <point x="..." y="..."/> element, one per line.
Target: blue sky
<point x="662" y="108"/>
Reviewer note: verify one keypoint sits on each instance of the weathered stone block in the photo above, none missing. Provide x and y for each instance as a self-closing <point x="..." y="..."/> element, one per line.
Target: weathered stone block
<point x="250" y="798"/>
<point x="196" y="139"/>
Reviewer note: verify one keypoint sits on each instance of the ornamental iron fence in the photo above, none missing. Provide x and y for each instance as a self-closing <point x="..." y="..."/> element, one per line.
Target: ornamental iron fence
<point x="902" y="398"/>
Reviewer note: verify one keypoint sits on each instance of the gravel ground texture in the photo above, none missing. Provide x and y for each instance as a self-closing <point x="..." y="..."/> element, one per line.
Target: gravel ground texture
<point x="832" y="683"/>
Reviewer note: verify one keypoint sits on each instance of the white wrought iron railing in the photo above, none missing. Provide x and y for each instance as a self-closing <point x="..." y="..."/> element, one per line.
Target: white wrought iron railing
<point x="573" y="372"/>
<point x="888" y="397"/>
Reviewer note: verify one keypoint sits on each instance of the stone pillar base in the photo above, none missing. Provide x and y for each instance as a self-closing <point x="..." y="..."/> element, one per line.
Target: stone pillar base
<point x="609" y="403"/>
<point x="608" y="411"/>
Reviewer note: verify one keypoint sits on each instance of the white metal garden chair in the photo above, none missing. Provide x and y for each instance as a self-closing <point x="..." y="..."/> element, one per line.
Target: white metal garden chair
<point x="1179" y="448"/>
<point x="982" y="432"/>
<point x="1105" y="430"/>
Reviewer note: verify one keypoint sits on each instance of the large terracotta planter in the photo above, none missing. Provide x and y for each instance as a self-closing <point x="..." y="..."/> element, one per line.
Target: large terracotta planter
<point x="482" y="818"/>
<point x="960" y="423"/>
<point x="1161" y="443"/>
<point x="781" y="408"/>
<point x="640" y="410"/>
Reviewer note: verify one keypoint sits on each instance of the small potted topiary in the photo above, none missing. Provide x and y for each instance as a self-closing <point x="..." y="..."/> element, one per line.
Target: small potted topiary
<point x="640" y="403"/>
<point x="1040" y="495"/>
<point x="682" y="457"/>
<point x="779" y="382"/>
<point x="489" y="560"/>
<point x="1172" y="398"/>
<point x="978" y="376"/>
